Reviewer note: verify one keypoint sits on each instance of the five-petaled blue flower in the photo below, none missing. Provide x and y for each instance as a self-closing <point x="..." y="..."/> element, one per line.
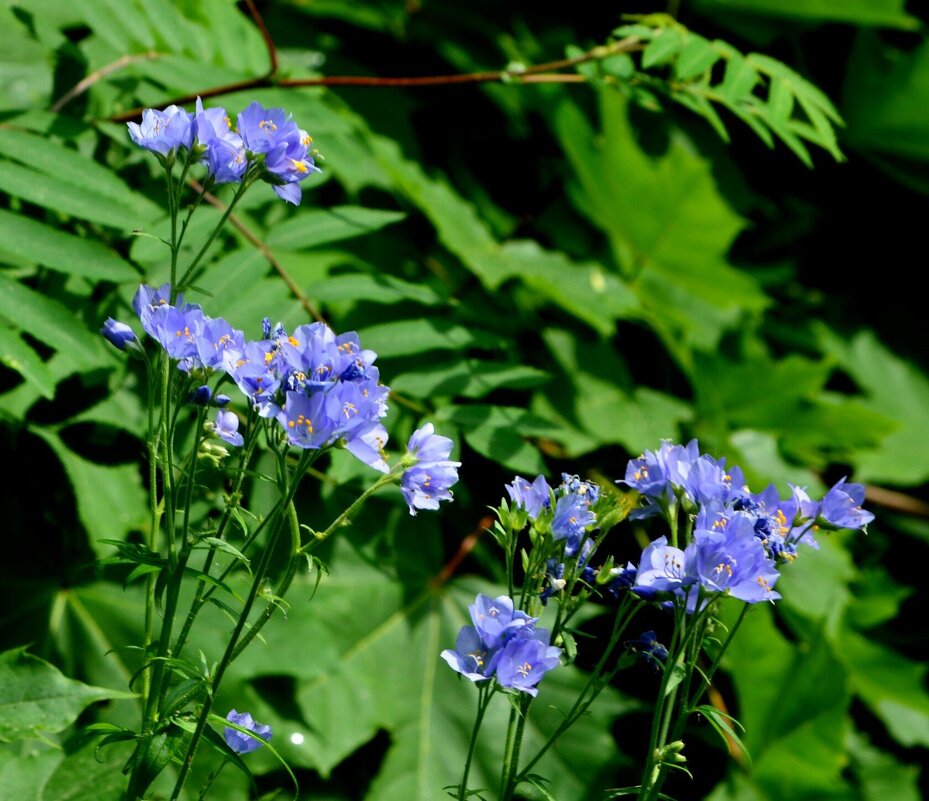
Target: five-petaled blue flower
<point x="427" y="480"/>
<point x="239" y="741"/>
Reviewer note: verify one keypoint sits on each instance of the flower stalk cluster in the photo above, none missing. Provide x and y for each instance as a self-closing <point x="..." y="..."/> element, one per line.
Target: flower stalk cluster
<point x="217" y="400"/>
<point x="720" y="541"/>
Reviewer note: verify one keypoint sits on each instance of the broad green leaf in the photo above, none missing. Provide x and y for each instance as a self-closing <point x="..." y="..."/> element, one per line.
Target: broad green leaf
<point x="697" y="56"/>
<point x="110" y="500"/>
<point x="881" y="775"/>
<point x="88" y="776"/>
<point x="28" y="239"/>
<point x="892" y="686"/>
<point x="377" y="288"/>
<point x="18" y="356"/>
<point x="376" y="634"/>
<point x="51" y="193"/>
<point x="50" y="321"/>
<point x="667" y="223"/>
<point x="70" y="167"/>
<point x="586" y="291"/>
<point x="412" y="337"/>
<point x="663" y="47"/>
<point x="24" y="775"/>
<point x="36" y="699"/>
<point x="315" y="227"/>
<point x="467" y="378"/>
<point x="897" y="390"/>
<point x="459" y="227"/>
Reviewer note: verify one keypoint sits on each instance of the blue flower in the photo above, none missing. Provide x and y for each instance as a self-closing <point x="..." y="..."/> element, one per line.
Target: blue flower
<point x="163" y="132"/>
<point x="662" y="568"/>
<point x="223" y="149"/>
<point x="649" y="649"/>
<point x="201" y="396"/>
<point x="119" y="334"/>
<point x="240" y="742"/>
<point x="523" y="662"/>
<point x="572" y="519"/>
<point x="226" y="427"/>
<point x="532" y="497"/>
<point x="471" y="657"/>
<point x="282" y="147"/>
<point x="841" y="507"/>
<point x="427" y="480"/>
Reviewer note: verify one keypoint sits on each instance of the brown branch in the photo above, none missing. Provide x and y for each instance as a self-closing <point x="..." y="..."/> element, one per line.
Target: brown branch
<point x="540" y="73"/>
<point x="897" y="501"/>
<point x="266" y="35"/>
<point x="108" y="69"/>
<point x="265" y="251"/>
<point x="467" y="545"/>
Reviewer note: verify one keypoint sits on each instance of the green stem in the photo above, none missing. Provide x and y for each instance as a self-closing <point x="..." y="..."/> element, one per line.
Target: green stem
<point x="624" y="615"/>
<point x="345" y="519"/>
<point x="257" y="581"/>
<point x="484" y="694"/>
<point x="514" y="741"/>
<point x="154" y="525"/>
<point x="189" y="273"/>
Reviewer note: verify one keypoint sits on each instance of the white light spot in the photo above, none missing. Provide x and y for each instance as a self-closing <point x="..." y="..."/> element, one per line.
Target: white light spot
<point x="296" y="738"/>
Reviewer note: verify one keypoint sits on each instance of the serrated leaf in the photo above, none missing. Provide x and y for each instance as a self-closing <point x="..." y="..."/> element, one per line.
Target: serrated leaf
<point x="18" y="356"/>
<point x="52" y="193"/>
<point x="36" y="699"/>
<point x="662" y="48"/>
<point x="50" y="321"/>
<point x="41" y="244"/>
<point x="696" y="57"/>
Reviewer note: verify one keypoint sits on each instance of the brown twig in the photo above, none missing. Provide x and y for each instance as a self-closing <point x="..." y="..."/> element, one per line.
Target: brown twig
<point x="897" y="501"/>
<point x="108" y="69"/>
<point x="265" y="251"/>
<point x="540" y="73"/>
<point x="467" y="545"/>
<point x="266" y="35"/>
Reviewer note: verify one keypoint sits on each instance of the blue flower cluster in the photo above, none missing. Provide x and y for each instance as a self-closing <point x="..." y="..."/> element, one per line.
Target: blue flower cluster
<point x="265" y="143"/>
<point x="503" y="644"/>
<point x="738" y="536"/>
<point x="569" y="506"/>
<point x="321" y="387"/>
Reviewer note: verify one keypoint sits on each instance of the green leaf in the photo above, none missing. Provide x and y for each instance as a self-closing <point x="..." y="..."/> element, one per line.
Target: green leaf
<point x="72" y="169"/>
<point x="34" y="242"/>
<point x="697" y="56"/>
<point x="468" y="378"/>
<point x="892" y="686"/>
<point x="52" y="193"/>
<point x="666" y="220"/>
<point x="373" y="288"/>
<point x="36" y="699"/>
<point x="309" y="229"/>
<point x="18" y="356"/>
<point x="663" y="47"/>
<point x="374" y="633"/>
<point x="412" y="337"/>
<point x="723" y="725"/>
<point x="110" y="500"/>
<point x="50" y="321"/>
<point x="894" y="388"/>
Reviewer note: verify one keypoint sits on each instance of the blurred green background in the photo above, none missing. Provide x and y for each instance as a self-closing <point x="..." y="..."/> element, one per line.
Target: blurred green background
<point x="559" y="275"/>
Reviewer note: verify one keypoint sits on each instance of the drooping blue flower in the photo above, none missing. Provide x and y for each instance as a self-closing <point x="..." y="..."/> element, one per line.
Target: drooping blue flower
<point x="201" y="396"/>
<point x="163" y="132"/>
<point x="572" y="519"/>
<point x="532" y="497"/>
<point x="283" y="148"/>
<point x="117" y="333"/>
<point x="226" y="427"/>
<point x="623" y="579"/>
<point x="428" y="480"/>
<point x="523" y="662"/>
<point x="471" y="657"/>
<point x="841" y="507"/>
<point x="732" y="560"/>
<point x="240" y="742"/>
<point x="662" y="569"/>
<point x="221" y="148"/>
